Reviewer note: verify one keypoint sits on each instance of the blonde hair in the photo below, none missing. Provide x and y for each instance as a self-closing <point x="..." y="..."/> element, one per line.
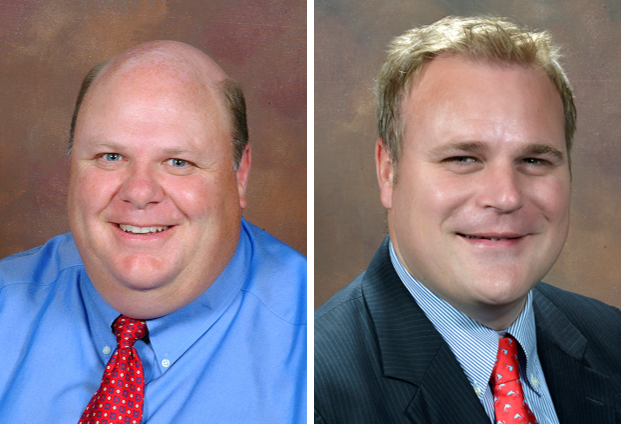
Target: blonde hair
<point x="478" y="37"/>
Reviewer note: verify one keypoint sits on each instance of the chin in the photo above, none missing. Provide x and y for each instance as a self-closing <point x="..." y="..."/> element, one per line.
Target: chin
<point x="501" y="291"/>
<point x="143" y="273"/>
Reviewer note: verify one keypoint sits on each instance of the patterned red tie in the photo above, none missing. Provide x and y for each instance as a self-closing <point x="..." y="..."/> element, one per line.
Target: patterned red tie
<point x="119" y="399"/>
<point x="509" y="403"/>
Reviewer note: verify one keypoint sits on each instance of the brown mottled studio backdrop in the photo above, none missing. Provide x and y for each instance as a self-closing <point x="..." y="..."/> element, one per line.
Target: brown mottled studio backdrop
<point x="46" y="48"/>
<point x="350" y="40"/>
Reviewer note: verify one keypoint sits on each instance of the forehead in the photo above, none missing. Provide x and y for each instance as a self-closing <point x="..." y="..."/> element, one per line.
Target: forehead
<point x="464" y="98"/>
<point x="155" y="94"/>
<point x="157" y="81"/>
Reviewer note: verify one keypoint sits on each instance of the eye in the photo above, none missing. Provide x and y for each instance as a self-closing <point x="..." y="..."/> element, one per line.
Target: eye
<point x="534" y="161"/>
<point x="460" y="159"/>
<point x="463" y="164"/>
<point x="112" y="157"/>
<point x="178" y="163"/>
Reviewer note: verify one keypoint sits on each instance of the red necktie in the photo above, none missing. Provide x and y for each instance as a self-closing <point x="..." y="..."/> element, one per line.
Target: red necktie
<point x="509" y="403"/>
<point x="119" y="399"/>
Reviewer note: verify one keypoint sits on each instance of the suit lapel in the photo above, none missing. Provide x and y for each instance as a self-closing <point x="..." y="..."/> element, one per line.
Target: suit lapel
<point x="580" y="394"/>
<point x="445" y="395"/>
<point x="413" y="351"/>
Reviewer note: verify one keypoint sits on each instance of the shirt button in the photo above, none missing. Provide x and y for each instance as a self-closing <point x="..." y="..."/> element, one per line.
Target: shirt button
<point x="165" y="363"/>
<point x="534" y="380"/>
<point x="477" y="390"/>
<point x="106" y="350"/>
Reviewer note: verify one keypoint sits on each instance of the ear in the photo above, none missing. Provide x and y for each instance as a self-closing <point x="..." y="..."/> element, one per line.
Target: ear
<point x="385" y="172"/>
<point x="242" y="175"/>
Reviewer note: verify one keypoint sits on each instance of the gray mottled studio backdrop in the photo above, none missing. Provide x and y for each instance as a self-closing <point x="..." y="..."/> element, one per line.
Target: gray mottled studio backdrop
<point x="46" y="47"/>
<point x="350" y="40"/>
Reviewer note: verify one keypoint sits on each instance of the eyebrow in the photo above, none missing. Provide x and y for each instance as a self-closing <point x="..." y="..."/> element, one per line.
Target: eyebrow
<point x="108" y="144"/>
<point x="176" y="151"/>
<point x="470" y="146"/>
<point x="544" y="149"/>
<point x="477" y="146"/>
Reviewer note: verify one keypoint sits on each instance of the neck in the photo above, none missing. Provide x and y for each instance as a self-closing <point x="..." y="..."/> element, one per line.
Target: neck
<point x="497" y="318"/>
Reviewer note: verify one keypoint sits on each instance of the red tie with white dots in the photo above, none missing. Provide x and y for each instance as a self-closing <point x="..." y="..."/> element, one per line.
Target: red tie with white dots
<point x="509" y="403"/>
<point x="119" y="399"/>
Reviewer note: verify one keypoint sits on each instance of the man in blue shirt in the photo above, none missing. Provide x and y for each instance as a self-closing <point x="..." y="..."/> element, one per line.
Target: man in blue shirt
<point x="159" y="167"/>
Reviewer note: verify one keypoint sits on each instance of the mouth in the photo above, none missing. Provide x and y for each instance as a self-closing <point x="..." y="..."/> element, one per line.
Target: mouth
<point x="142" y="230"/>
<point x="499" y="237"/>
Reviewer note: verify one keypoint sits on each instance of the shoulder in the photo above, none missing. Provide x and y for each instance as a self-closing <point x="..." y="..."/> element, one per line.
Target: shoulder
<point x="342" y="334"/>
<point x="340" y="307"/>
<point x="275" y="256"/>
<point x="588" y="330"/>
<point x="276" y="275"/>
<point x="42" y="265"/>
<point x="344" y="338"/>
<point x="41" y="279"/>
<point x="351" y="385"/>
<point x="583" y="312"/>
<point x="579" y="325"/>
<point x="345" y="331"/>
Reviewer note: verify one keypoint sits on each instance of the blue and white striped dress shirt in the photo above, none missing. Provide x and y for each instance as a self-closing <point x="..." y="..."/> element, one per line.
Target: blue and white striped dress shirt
<point x="475" y="346"/>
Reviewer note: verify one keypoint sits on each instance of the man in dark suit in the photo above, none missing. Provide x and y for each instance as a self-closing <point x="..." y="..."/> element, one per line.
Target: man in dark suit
<point x="476" y="119"/>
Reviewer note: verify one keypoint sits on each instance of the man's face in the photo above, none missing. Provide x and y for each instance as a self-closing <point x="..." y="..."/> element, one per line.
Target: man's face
<point x="154" y="201"/>
<point x="480" y="210"/>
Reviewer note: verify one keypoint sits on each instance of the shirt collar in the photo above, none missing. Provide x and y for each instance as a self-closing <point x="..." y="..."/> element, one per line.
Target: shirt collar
<point x="474" y="345"/>
<point x="524" y="331"/>
<point x="100" y="316"/>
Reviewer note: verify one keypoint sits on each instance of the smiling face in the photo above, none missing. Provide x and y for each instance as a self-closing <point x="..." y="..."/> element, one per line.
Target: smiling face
<point x="480" y="211"/>
<point x="154" y="200"/>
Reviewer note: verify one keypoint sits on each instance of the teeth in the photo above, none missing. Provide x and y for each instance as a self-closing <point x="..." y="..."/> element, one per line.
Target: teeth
<point x="141" y="230"/>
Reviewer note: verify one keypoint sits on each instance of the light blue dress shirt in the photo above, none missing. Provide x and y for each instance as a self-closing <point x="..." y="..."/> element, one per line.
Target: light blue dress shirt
<point x="237" y="354"/>
<point x="475" y="346"/>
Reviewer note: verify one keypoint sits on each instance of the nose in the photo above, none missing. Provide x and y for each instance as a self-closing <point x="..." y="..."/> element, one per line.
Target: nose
<point x="140" y="187"/>
<point x="501" y="189"/>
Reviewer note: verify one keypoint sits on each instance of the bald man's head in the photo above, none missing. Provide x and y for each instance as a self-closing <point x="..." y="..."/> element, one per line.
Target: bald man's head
<point x="195" y="74"/>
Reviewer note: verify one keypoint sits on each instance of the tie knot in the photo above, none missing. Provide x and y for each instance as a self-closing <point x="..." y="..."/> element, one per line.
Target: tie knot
<point x="128" y="330"/>
<point x="507" y="365"/>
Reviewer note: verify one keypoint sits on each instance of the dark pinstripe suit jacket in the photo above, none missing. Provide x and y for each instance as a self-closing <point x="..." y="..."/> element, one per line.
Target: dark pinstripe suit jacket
<point x="378" y="359"/>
